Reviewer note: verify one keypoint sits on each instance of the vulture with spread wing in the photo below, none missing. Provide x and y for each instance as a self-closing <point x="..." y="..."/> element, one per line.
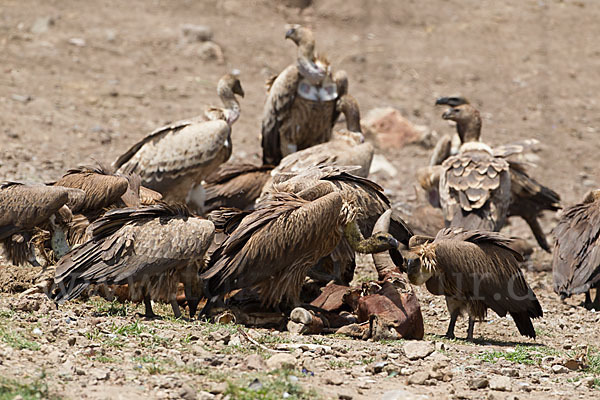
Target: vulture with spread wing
<point x="576" y="262"/>
<point x="475" y="270"/>
<point x="175" y="158"/>
<point x="272" y="248"/>
<point x="528" y="198"/>
<point x="151" y="248"/>
<point x="300" y="109"/>
<point x="26" y="207"/>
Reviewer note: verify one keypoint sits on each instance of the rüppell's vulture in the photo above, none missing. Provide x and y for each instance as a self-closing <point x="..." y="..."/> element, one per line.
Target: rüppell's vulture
<point x="346" y="146"/>
<point x="300" y="109"/>
<point x="474" y="270"/>
<point x="151" y="248"/>
<point x="175" y="158"/>
<point x="528" y="197"/>
<point x="474" y="185"/>
<point x="576" y="262"/>
<point x="272" y="248"/>
<point x="26" y="209"/>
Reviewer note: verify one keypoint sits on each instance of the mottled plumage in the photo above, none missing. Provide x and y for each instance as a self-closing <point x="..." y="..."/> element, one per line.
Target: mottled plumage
<point x="300" y="109"/>
<point x="176" y="157"/>
<point x="148" y="248"/>
<point x="475" y="270"/>
<point x="576" y="262"/>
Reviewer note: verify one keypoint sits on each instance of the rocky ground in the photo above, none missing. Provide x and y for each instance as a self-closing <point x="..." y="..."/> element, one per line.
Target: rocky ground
<point x="83" y="80"/>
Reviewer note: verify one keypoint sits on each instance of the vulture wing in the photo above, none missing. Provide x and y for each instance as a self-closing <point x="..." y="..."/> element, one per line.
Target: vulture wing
<point x="479" y="265"/>
<point x="23" y="206"/>
<point x="280" y="98"/>
<point x="576" y="262"/>
<point x="129" y="245"/>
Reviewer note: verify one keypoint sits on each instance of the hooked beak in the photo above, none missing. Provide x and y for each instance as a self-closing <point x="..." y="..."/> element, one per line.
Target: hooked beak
<point x="413" y="265"/>
<point x="290" y="33"/>
<point x="393" y="242"/>
<point x="447" y="114"/>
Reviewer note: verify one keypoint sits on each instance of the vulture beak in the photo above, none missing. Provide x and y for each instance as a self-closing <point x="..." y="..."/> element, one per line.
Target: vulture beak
<point x="448" y="113"/>
<point x="239" y="91"/>
<point x="290" y="33"/>
<point x="413" y="265"/>
<point x="393" y="242"/>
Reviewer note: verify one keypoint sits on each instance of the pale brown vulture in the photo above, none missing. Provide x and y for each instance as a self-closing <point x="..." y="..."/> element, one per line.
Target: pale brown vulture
<point x="175" y="158"/>
<point x="300" y="109"/>
<point x="576" y="262"/>
<point x="475" y="270"/>
<point x="272" y="248"/>
<point x="151" y="249"/>
<point x="528" y="197"/>
<point x="26" y="207"/>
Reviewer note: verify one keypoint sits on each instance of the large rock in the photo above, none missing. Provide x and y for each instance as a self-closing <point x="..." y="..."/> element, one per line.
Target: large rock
<point x="281" y="361"/>
<point x="390" y="128"/>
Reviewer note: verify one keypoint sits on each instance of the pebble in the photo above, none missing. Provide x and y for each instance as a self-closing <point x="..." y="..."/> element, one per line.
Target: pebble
<point x="256" y="362"/>
<point x="42" y="24"/>
<point x="71" y="341"/>
<point x="559" y="369"/>
<point x="501" y="383"/>
<point x="281" y="360"/>
<point x="333" y="378"/>
<point x="205" y="396"/>
<point x="478" y="383"/>
<point x="218" y="388"/>
<point x="418" y="378"/>
<point x="400" y="394"/>
<point x="79" y="42"/>
<point x="196" y="33"/>
<point x="417" y="349"/>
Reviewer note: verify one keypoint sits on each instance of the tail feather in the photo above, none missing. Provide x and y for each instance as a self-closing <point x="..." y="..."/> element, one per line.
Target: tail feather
<point x="524" y="324"/>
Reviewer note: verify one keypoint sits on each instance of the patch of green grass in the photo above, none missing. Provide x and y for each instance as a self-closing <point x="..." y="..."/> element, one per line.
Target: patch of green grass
<point x="593" y="361"/>
<point x="112" y="308"/>
<point x="16" y="340"/>
<point x="521" y="355"/>
<point x="133" y="329"/>
<point x="37" y="389"/>
<point x="274" y="386"/>
<point x="273" y="339"/>
<point x="7" y="314"/>
<point x="105" y="359"/>
<point x="337" y="364"/>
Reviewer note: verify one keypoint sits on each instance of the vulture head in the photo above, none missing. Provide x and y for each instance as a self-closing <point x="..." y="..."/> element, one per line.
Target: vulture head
<point x="379" y="242"/>
<point x="348" y="105"/>
<point x="452" y="101"/>
<point x="421" y="267"/>
<point x="311" y="67"/>
<point x="468" y="121"/>
<point x="229" y="85"/>
<point x="592" y="196"/>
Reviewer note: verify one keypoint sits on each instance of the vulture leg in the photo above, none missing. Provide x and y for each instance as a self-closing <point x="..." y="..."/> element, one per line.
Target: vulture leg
<point x="587" y="303"/>
<point x="175" y="307"/>
<point x="148" y="313"/>
<point x="596" y="303"/>
<point x="454" y="309"/>
<point x="538" y="232"/>
<point x="471" y="327"/>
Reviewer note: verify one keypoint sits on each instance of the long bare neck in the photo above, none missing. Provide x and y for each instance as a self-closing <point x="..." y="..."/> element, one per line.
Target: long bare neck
<point x="232" y="106"/>
<point x="470" y="130"/>
<point x="352" y="114"/>
<point x="357" y="241"/>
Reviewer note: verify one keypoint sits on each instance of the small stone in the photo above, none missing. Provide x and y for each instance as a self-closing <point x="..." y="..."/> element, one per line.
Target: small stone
<point x="478" y="383"/>
<point x="37" y="331"/>
<point x="210" y="51"/>
<point x="281" y="360"/>
<point x="21" y="98"/>
<point x="418" y="378"/>
<point x="301" y="315"/>
<point x="333" y="378"/>
<point x="588" y="382"/>
<point x="42" y="24"/>
<point x="71" y="341"/>
<point x="381" y="164"/>
<point x="255" y="385"/>
<point x="218" y="388"/>
<point x="501" y="383"/>
<point x="402" y="395"/>
<point x="205" y="396"/>
<point x="509" y="372"/>
<point x="256" y="362"/>
<point x="101" y="375"/>
<point x="559" y="369"/>
<point x="186" y="392"/>
<point x="196" y="33"/>
<point x="417" y="349"/>
<point x="378" y="366"/>
<point x="79" y="42"/>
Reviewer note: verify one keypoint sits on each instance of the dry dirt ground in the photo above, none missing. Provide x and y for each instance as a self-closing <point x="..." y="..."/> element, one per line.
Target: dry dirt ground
<point x="83" y="80"/>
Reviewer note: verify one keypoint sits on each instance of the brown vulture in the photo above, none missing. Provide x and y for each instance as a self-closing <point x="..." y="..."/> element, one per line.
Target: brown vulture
<point x="576" y="262"/>
<point x="346" y="146"/>
<point x="300" y="109"/>
<point x="151" y="248"/>
<point x="175" y="158"/>
<point x="273" y="248"/>
<point x="475" y="270"/>
<point x="27" y="208"/>
<point x="528" y="197"/>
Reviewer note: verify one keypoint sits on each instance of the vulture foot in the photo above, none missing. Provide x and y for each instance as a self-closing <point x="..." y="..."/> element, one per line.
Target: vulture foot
<point x="592" y="305"/>
<point x="470" y="329"/>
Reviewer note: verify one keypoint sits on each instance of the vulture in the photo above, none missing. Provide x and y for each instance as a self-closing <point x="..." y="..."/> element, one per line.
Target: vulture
<point x="474" y="270"/>
<point x="175" y="158"/>
<point x="474" y="185"/>
<point x="273" y="248"/>
<point x="346" y="146"/>
<point x="576" y="258"/>
<point x="369" y="200"/>
<point x="24" y="208"/>
<point x="151" y="248"/>
<point x="528" y="197"/>
<point x="300" y="109"/>
<point x="103" y="190"/>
